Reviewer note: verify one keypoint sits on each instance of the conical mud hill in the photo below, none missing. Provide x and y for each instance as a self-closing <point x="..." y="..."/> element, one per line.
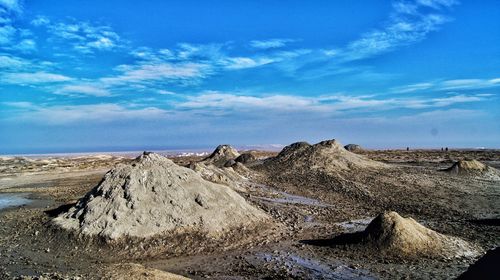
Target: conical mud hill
<point x="221" y="155"/>
<point x="327" y="155"/>
<point x="400" y="236"/>
<point x="153" y="196"/>
<point x="220" y="167"/>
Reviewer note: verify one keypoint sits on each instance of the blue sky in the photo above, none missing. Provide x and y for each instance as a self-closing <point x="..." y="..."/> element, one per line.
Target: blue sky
<point x="119" y="75"/>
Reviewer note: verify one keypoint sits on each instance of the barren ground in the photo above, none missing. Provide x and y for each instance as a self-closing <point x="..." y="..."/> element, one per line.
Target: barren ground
<point x="309" y="212"/>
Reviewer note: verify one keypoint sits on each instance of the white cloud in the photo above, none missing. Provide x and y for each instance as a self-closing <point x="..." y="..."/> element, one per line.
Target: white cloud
<point x="7" y="33"/>
<point x="12" y="62"/>
<point x="40" y="20"/>
<point x="83" y="89"/>
<point x="11" y="5"/>
<point x="400" y="32"/>
<point x="412" y="87"/>
<point x="154" y="72"/>
<point x="32" y="78"/>
<point x="26" y="46"/>
<point x="328" y="103"/>
<point x="469" y="84"/>
<point x="270" y="44"/>
<point x="246" y="62"/>
<point x="232" y="101"/>
<point x="83" y="36"/>
<point x="67" y="114"/>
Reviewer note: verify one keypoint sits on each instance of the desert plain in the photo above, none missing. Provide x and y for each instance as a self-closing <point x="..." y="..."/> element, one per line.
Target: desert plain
<point x="309" y="211"/>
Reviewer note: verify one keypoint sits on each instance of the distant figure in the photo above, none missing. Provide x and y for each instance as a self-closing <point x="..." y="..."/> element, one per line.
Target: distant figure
<point x="446" y="149"/>
<point x="407" y="148"/>
<point x="442" y="149"/>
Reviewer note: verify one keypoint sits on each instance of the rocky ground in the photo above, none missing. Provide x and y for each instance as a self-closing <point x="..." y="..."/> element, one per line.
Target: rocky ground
<point x="311" y="209"/>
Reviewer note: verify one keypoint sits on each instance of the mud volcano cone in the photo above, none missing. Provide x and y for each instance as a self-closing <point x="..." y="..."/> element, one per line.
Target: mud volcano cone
<point x="400" y="236"/>
<point x="221" y="155"/>
<point x="154" y="196"/>
<point x="467" y="167"/>
<point x="327" y="155"/>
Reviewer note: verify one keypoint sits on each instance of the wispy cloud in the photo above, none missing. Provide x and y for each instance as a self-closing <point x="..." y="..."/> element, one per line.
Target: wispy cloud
<point x="166" y="72"/>
<point x="246" y="62"/>
<point x="33" y="78"/>
<point x="448" y="85"/>
<point x="12" y="62"/>
<point x="326" y="103"/>
<point x="85" y="37"/>
<point x="270" y="44"/>
<point x="26" y="46"/>
<point x="406" y="26"/>
<point x="83" y="89"/>
<point x="67" y="114"/>
<point x="468" y="84"/>
<point x="7" y="33"/>
<point x="412" y="87"/>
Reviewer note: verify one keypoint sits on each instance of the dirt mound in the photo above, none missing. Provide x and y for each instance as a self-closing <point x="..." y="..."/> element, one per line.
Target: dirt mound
<point x="467" y="167"/>
<point x="474" y="168"/>
<point x="485" y="268"/>
<point x="353" y="148"/>
<point x="221" y="155"/>
<point x="154" y="196"/>
<point x="405" y="237"/>
<point x="229" y="176"/>
<point x="327" y="155"/>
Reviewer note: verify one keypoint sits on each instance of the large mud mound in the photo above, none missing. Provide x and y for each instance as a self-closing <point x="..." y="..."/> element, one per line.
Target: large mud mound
<point x="221" y="155"/>
<point x="153" y="196"/>
<point x="400" y="236"/>
<point x="327" y="155"/>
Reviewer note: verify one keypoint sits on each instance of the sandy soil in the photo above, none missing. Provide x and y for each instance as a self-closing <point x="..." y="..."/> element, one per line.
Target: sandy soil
<point x="310" y="212"/>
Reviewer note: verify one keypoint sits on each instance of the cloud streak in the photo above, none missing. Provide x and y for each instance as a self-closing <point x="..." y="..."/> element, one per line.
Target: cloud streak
<point x="23" y="78"/>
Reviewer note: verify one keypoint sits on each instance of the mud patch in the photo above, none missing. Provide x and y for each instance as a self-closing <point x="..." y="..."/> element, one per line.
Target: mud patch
<point x="12" y="200"/>
<point x="300" y="267"/>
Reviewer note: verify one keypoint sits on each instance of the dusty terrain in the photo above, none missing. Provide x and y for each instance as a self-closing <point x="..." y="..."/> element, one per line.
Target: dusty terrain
<point x="314" y="207"/>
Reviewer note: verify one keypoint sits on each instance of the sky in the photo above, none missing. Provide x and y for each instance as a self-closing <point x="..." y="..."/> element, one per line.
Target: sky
<point x="134" y="75"/>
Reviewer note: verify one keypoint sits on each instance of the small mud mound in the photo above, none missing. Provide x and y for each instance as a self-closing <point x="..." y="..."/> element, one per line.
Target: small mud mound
<point x="485" y="268"/>
<point x="327" y="155"/>
<point x="353" y="148"/>
<point x="400" y="236"/>
<point x="221" y="155"/>
<point x="474" y="168"/>
<point x="153" y="196"/>
<point x="467" y="167"/>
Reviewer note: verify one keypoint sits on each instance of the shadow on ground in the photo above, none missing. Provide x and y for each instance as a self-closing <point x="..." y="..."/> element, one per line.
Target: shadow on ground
<point x="61" y="209"/>
<point x="343" y="239"/>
